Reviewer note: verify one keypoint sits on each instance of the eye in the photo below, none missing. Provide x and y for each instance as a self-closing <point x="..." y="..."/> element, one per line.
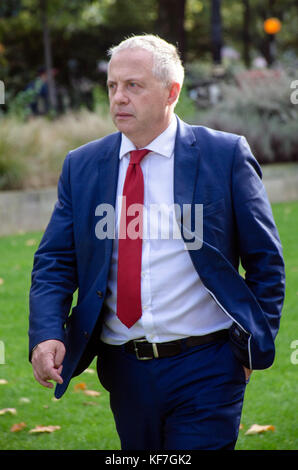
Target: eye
<point x="111" y="86"/>
<point x="133" y="85"/>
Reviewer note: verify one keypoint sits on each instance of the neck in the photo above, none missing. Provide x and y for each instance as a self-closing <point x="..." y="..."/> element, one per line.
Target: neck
<point x="144" y="140"/>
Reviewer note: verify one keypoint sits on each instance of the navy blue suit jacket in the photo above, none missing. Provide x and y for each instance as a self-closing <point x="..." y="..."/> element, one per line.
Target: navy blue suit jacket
<point x="212" y="168"/>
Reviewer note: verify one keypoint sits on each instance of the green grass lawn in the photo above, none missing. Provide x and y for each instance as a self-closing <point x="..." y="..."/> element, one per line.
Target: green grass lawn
<point x="86" y="422"/>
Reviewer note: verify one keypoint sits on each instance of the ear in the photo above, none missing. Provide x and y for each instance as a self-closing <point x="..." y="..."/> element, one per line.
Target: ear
<point x="174" y="93"/>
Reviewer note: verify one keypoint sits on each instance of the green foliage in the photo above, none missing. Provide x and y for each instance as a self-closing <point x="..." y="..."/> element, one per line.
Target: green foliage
<point x="185" y="108"/>
<point x="83" y="30"/>
<point x="19" y="105"/>
<point x="100" y="100"/>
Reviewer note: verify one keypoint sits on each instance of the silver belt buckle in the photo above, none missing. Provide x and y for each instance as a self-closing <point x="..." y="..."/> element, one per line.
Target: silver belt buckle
<point x="145" y="358"/>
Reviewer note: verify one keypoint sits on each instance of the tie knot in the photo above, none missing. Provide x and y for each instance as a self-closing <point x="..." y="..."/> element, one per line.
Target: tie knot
<point x="137" y="155"/>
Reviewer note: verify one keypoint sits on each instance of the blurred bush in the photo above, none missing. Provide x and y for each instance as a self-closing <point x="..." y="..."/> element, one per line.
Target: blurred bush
<point x="19" y="104"/>
<point x="259" y="107"/>
<point x="32" y="152"/>
<point x="11" y="169"/>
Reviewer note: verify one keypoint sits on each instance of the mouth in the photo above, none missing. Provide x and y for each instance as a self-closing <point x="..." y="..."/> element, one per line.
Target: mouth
<point x="123" y="116"/>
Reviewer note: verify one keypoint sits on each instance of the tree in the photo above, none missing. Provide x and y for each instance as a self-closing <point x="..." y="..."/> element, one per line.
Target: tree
<point x="246" y="33"/>
<point x="170" y="23"/>
<point x="43" y="6"/>
<point x="10" y="8"/>
<point x="216" y="31"/>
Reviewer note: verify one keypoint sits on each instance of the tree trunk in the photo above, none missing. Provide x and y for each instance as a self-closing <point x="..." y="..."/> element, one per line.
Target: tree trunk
<point x="170" y="23"/>
<point x="246" y="33"/>
<point x="43" y="4"/>
<point x="271" y="40"/>
<point x="216" y="31"/>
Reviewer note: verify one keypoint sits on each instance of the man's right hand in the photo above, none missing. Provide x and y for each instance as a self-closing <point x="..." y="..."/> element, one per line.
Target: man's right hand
<point x="47" y="360"/>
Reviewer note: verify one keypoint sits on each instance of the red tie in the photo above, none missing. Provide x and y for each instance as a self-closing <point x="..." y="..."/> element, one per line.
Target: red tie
<point x="129" y="307"/>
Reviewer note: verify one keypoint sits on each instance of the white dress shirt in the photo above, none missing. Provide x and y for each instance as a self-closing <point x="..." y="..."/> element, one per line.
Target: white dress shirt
<point x="175" y="303"/>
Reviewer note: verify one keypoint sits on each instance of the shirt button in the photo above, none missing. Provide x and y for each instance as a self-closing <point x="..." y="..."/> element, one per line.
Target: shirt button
<point x="145" y="307"/>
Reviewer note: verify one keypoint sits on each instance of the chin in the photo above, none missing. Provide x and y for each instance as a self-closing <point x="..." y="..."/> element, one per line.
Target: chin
<point x="124" y="127"/>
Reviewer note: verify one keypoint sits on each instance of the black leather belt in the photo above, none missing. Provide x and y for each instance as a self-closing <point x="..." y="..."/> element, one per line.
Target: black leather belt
<point x="145" y="350"/>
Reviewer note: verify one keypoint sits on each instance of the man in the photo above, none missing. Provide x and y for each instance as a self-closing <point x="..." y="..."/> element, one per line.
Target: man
<point x="177" y="330"/>
<point x="40" y="99"/>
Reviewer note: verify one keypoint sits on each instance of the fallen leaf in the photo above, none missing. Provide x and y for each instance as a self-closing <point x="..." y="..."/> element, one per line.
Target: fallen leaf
<point x="92" y="393"/>
<point x="41" y="429"/>
<point x="1" y="281"/>
<point x="80" y="386"/>
<point x="30" y="242"/>
<point x="89" y="371"/>
<point x="3" y="382"/>
<point x="18" y="427"/>
<point x="24" y="400"/>
<point x="258" y="429"/>
<point x="241" y="426"/>
<point x="12" y="411"/>
<point x="90" y="403"/>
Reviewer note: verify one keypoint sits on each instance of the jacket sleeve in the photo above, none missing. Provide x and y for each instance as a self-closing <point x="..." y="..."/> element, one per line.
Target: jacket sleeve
<point x="258" y="239"/>
<point x="54" y="274"/>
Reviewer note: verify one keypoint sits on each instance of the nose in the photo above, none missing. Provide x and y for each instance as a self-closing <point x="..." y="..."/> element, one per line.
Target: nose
<point x="120" y="96"/>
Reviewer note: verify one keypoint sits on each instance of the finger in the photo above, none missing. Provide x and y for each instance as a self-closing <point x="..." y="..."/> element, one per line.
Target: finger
<point x="51" y="374"/>
<point x="59" y="354"/>
<point x="48" y="372"/>
<point x="42" y="382"/>
<point x="54" y="374"/>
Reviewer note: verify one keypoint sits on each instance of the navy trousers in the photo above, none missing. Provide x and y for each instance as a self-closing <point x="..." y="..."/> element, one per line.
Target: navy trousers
<point x="189" y="401"/>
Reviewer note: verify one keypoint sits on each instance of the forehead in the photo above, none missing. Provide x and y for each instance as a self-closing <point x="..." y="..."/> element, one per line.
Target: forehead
<point x="134" y="60"/>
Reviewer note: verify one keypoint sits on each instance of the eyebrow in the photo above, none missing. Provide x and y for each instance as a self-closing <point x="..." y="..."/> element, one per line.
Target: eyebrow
<point x="131" y="79"/>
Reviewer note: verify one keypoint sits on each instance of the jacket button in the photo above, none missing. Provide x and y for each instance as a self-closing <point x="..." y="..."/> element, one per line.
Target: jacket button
<point x="99" y="293"/>
<point x="86" y="334"/>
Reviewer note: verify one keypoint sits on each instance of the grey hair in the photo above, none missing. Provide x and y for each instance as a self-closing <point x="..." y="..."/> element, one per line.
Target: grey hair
<point x="167" y="65"/>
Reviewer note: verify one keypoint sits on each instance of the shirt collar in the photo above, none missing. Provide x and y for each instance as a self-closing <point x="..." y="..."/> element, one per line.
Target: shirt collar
<point x="163" y="144"/>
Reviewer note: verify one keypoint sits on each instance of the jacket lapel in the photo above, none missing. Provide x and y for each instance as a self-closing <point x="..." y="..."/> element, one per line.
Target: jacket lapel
<point x="108" y="167"/>
<point x="108" y="172"/>
<point x="186" y="167"/>
<point x="186" y="164"/>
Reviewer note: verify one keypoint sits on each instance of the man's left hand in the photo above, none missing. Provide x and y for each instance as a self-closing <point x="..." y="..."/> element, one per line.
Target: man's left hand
<point x="247" y="372"/>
